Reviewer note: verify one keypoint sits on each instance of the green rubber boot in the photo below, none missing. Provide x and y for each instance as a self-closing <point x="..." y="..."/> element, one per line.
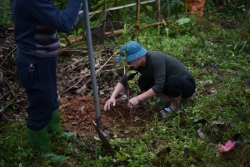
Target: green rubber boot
<point x="54" y="127"/>
<point x="39" y="141"/>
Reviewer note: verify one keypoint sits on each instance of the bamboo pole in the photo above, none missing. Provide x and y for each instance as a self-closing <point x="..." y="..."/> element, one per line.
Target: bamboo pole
<point x="104" y="10"/>
<point x="159" y="16"/>
<point x="121" y="7"/>
<point x="104" y="17"/>
<point x="117" y="32"/>
<point x="244" y="30"/>
<point x="186" y="6"/>
<point x="152" y="24"/>
<point x="137" y="19"/>
<point x="110" y="33"/>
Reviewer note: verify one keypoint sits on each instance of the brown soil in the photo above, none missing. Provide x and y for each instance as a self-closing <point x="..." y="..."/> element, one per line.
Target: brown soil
<point x="78" y="114"/>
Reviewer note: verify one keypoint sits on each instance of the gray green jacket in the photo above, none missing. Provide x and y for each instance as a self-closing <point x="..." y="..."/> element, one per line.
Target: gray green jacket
<point x="158" y="67"/>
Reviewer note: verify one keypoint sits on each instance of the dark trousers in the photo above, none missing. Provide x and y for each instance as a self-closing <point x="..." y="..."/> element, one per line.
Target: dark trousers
<point x="175" y="85"/>
<point x="41" y="89"/>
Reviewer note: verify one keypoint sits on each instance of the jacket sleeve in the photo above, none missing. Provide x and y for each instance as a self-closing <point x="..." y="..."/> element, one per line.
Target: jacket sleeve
<point x="48" y="14"/>
<point x="124" y="80"/>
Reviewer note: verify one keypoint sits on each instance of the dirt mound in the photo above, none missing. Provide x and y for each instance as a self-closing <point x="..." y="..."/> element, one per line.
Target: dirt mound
<point x="78" y="114"/>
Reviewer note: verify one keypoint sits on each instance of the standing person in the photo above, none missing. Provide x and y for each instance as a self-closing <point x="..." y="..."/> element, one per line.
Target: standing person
<point x="161" y="75"/>
<point x="36" y="25"/>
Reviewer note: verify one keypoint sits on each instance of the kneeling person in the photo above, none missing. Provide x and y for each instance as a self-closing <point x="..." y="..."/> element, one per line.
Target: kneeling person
<point x="161" y="75"/>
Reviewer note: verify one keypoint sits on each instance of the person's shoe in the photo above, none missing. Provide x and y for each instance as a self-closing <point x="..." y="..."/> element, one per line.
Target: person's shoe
<point x="157" y="103"/>
<point x="54" y="128"/>
<point x="39" y="141"/>
<point x="165" y="111"/>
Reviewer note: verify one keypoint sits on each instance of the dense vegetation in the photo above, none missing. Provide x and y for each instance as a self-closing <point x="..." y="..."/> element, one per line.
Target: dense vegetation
<point x="216" y="49"/>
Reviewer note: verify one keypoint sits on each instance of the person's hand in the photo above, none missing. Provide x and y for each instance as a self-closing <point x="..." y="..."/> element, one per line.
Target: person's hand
<point x="133" y="102"/>
<point x="79" y="17"/>
<point x="107" y="104"/>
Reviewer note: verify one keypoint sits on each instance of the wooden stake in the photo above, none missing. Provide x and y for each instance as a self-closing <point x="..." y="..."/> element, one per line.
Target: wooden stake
<point x="104" y="18"/>
<point x="137" y="19"/>
<point x="159" y="16"/>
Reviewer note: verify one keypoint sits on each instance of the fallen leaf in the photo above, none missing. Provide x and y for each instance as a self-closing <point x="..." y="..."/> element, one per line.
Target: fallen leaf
<point x="200" y="120"/>
<point x="204" y="83"/>
<point x="212" y="91"/>
<point x="218" y="123"/>
<point x="82" y="89"/>
<point x="201" y="134"/>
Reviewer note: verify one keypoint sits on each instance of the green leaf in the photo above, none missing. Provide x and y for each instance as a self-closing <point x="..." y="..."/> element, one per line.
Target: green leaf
<point x="183" y="21"/>
<point x="124" y="30"/>
<point x="149" y="8"/>
<point x="131" y="72"/>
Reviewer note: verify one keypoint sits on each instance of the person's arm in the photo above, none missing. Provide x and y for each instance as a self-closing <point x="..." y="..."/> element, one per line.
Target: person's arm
<point x="118" y="89"/>
<point x="122" y="84"/>
<point x="48" y="14"/>
<point x="136" y="100"/>
<point x="149" y="93"/>
<point x="158" y="65"/>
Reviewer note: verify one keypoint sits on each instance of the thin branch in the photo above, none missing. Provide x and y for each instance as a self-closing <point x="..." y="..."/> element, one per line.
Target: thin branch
<point x="8" y="55"/>
<point x="98" y="71"/>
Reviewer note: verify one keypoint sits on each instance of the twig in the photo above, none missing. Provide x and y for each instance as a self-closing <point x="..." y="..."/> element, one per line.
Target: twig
<point x="112" y="69"/>
<point x="8" y="55"/>
<point x="73" y="50"/>
<point x="80" y="60"/>
<point x="244" y="30"/>
<point x="122" y="118"/>
<point x="244" y="155"/>
<point x="222" y="7"/>
<point x="130" y="110"/>
<point x="77" y="82"/>
<point x="89" y="74"/>
<point x="11" y="100"/>
<point x="5" y="94"/>
<point x="217" y="9"/>
<point x="106" y="62"/>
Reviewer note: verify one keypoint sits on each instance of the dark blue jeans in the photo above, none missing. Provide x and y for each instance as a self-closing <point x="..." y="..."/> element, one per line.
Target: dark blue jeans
<point x="175" y="85"/>
<point x="41" y="89"/>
